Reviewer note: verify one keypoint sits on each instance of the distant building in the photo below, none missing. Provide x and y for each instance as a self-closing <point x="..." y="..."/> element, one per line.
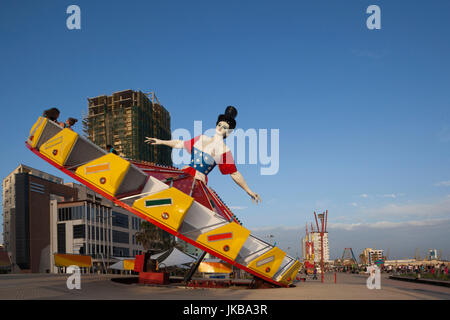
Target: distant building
<point x="432" y="254"/>
<point x="95" y="226"/>
<point x="124" y="119"/>
<point x="190" y="249"/>
<point x="27" y="193"/>
<point x="42" y="216"/>
<point x="311" y="247"/>
<point x="5" y="263"/>
<point x="369" y="255"/>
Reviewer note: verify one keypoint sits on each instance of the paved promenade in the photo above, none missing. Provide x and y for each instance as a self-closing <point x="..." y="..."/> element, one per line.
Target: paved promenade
<point x="348" y="287"/>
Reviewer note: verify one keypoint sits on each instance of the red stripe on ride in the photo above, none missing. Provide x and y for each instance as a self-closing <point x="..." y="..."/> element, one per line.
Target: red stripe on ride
<point x="221" y="236"/>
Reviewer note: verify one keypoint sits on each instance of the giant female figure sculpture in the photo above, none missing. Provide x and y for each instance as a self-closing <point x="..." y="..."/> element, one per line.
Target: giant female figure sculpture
<point x="206" y="153"/>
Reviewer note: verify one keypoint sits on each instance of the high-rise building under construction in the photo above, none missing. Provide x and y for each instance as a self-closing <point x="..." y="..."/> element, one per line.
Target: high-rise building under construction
<point x="124" y="119"/>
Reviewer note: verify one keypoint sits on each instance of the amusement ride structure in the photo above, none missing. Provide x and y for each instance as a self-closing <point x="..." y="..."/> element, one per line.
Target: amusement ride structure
<point x="167" y="197"/>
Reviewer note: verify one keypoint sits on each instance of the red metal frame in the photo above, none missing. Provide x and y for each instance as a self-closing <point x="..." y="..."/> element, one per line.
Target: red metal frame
<point x="127" y="207"/>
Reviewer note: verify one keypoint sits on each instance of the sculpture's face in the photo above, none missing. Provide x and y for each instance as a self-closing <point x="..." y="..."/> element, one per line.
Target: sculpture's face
<point x="223" y="129"/>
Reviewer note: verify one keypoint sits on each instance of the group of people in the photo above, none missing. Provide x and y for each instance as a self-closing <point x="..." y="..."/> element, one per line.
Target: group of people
<point x="433" y="269"/>
<point x="53" y="115"/>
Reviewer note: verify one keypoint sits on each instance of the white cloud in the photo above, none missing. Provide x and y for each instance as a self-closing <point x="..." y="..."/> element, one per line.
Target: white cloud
<point x="391" y="195"/>
<point x="364" y="195"/>
<point x="436" y="209"/>
<point x="354" y="204"/>
<point x="443" y="184"/>
<point x="389" y="224"/>
<point x="351" y="226"/>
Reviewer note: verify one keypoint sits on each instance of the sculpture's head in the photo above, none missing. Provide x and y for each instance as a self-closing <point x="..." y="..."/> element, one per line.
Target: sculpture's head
<point x="226" y="123"/>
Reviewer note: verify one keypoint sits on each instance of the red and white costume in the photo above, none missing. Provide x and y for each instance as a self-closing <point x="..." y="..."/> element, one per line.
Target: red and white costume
<point x="206" y="153"/>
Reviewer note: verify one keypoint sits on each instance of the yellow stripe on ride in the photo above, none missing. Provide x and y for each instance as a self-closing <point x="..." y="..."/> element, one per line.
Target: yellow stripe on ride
<point x="290" y="274"/>
<point x="36" y="131"/>
<point x="97" y="168"/>
<point x="219" y="241"/>
<point x="58" y="148"/>
<point x="106" y="180"/>
<point x="268" y="263"/>
<point x="167" y="207"/>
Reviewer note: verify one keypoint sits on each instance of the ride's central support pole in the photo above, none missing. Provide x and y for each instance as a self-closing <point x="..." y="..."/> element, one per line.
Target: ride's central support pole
<point x="194" y="268"/>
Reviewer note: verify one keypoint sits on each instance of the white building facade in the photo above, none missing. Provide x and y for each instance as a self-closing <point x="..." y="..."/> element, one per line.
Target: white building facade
<point x="315" y="238"/>
<point x="94" y="226"/>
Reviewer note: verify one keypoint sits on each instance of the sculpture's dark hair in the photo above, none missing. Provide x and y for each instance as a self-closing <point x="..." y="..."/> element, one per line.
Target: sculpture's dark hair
<point x="228" y="117"/>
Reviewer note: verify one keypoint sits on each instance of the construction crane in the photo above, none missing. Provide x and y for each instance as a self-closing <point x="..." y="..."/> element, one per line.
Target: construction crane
<point x="417" y="255"/>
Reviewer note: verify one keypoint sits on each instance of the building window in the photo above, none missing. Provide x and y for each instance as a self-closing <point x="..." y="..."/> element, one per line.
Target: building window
<point x="79" y="231"/>
<point x="121" y="252"/>
<point x="120" y="237"/>
<point x="61" y="237"/>
<point x="70" y="213"/>
<point x="119" y="220"/>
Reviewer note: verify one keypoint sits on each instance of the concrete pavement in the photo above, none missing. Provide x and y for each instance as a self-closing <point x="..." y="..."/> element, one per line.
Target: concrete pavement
<point x="348" y="287"/>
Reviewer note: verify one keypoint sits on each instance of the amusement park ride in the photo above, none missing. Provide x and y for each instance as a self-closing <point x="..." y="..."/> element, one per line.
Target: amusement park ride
<point x="164" y="196"/>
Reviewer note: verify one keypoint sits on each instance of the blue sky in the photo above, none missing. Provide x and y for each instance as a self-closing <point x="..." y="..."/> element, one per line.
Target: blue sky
<point x="363" y="114"/>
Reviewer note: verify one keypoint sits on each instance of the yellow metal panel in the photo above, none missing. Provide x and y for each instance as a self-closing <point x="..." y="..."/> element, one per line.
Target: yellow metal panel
<point x="106" y="172"/>
<point x="290" y="274"/>
<point x="226" y="240"/>
<point x="268" y="263"/>
<point x="167" y="207"/>
<point x="65" y="260"/>
<point x="128" y="264"/>
<point x="59" y="146"/>
<point x="214" y="267"/>
<point x="36" y="131"/>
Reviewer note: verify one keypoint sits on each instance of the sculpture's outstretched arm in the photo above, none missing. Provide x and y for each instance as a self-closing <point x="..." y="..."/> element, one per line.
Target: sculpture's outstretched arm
<point x="240" y="181"/>
<point x="177" y="144"/>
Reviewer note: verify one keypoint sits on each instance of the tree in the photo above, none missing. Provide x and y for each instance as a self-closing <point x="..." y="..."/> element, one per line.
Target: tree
<point x="362" y="258"/>
<point x="154" y="238"/>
